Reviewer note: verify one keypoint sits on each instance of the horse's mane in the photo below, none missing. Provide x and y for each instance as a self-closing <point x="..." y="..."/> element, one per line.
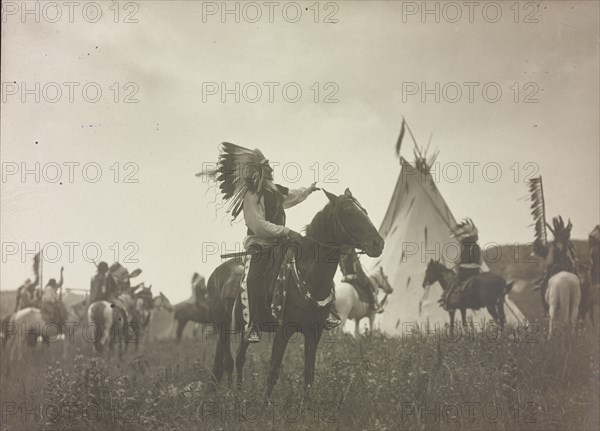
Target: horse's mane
<point x="320" y="222"/>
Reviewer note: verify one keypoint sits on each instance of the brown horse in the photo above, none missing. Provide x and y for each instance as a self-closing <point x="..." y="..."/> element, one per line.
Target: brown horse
<point x="483" y="290"/>
<point x="342" y="224"/>
<point x="190" y="311"/>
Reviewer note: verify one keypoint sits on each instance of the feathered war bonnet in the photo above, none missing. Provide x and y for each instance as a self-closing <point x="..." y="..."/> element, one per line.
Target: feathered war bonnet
<point x="465" y="231"/>
<point x="240" y="170"/>
<point x="561" y="232"/>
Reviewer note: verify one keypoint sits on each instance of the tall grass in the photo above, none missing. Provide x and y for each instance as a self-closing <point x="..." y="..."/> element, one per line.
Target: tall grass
<point x="385" y="383"/>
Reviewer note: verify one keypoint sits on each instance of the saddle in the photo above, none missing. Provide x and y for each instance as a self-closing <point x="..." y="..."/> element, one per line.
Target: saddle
<point x="54" y="312"/>
<point x="361" y="288"/>
<point x="277" y="275"/>
<point x="452" y="299"/>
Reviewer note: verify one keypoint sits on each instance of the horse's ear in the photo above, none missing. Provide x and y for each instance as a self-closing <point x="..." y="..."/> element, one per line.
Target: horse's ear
<point x="348" y="193"/>
<point x="569" y="226"/>
<point x="330" y="196"/>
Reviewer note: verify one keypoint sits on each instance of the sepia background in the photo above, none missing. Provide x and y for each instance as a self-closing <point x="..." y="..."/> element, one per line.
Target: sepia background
<point x="370" y="55"/>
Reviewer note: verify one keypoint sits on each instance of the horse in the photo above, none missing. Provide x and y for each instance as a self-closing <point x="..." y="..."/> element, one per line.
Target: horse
<point x="349" y="305"/>
<point x="341" y="224"/>
<point x="563" y="295"/>
<point x="144" y="305"/>
<point x="190" y="311"/>
<point x="113" y="324"/>
<point x="28" y="325"/>
<point x="485" y="289"/>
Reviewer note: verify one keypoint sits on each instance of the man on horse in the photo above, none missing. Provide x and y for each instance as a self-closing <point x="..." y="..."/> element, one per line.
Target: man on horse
<point x="561" y="255"/>
<point x="469" y="264"/>
<point x="355" y="275"/>
<point x="100" y="285"/>
<point x="26" y="294"/>
<point x="52" y="308"/>
<point x="246" y="181"/>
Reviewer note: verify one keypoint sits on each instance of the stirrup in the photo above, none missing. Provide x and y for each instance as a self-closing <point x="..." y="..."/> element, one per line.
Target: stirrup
<point x="253" y="335"/>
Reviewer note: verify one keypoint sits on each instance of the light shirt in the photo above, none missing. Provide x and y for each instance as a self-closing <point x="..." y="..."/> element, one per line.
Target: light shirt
<point x="265" y="232"/>
<point x="50" y="294"/>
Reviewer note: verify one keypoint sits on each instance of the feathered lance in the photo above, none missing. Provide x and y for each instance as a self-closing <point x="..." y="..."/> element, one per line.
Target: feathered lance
<point x="538" y="211"/>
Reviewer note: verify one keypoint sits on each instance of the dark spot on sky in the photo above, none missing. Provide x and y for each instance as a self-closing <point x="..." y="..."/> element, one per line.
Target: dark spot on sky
<point x="60" y="184"/>
<point x="36" y="142"/>
<point x="96" y="47"/>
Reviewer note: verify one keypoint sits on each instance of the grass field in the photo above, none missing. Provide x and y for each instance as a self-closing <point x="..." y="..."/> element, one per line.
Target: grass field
<point x="518" y="381"/>
<point x="487" y="380"/>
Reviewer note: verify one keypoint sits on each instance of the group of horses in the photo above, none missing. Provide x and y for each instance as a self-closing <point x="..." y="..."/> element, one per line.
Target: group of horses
<point x="342" y="224"/>
<point x="106" y="323"/>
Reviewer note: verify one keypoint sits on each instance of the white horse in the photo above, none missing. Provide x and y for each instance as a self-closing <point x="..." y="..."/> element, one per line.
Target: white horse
<point x="111" y="324"/>
<point x="27" y="326"/>
<point x="563" y="296"/>
<point x="349" y="305"/>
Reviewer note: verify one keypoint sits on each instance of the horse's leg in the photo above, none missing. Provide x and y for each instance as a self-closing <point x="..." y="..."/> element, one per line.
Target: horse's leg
<point x="10" y="354"/>
<point x="311" y="342"/>
<point x="279" y="345"/>
<point x="180" y="327"/>
<point x="575" y="299"/>
<point x="111" y="346"/>
<point x="218" y="363"/>
<point x="463" y="317"/>
<point x="501" y="313"/>
<point x="451" y="313"/>
<point x="227" y="356"/>
<point x="564" y="307"/>
<point x="371" y="321"/>
<point x="552" y="310"/>
<point x="492" y="309"/>
<point x="357" y="327"/>
<point x="240" y="360"/>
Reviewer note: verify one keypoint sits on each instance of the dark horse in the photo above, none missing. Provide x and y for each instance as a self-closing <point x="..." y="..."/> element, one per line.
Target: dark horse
<point x="190" y="311"/>
<point x="342" y="224"/>
<point x="483" y="290"/>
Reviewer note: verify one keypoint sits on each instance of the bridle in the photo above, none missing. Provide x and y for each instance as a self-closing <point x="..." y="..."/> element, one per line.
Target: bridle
<point x="338" y="225"/>
<point x="302" y="287"/>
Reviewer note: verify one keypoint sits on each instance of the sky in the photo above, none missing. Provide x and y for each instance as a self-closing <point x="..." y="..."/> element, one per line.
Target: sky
<point x="179" y="61"/>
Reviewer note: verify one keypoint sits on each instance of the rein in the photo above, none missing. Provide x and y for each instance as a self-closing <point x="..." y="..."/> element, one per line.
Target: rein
<point x="303" y="289"/>
<point x="301" y="284"/>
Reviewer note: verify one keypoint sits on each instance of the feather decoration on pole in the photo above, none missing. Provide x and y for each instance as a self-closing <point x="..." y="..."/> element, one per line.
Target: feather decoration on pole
<point x="538" y="211"/>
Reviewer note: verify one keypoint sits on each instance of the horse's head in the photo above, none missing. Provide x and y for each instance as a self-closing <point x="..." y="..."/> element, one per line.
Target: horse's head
<point x="351" y="226"/>
<point x="433" y="273"/>
<point x="161" y="301"/>
<point x="143" y="297"/>
<point x="382" y="282"/>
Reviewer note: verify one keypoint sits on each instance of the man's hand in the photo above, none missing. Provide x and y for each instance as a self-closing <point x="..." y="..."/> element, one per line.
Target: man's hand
<point x="313" y="187"/>
<point x="294" y="235"/>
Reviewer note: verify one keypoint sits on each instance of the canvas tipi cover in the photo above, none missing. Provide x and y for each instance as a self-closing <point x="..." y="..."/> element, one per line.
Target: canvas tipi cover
<point x="416" y="228"/>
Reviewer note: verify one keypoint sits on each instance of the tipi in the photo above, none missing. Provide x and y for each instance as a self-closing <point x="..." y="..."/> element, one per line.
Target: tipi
<point x="416" y="228"/>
